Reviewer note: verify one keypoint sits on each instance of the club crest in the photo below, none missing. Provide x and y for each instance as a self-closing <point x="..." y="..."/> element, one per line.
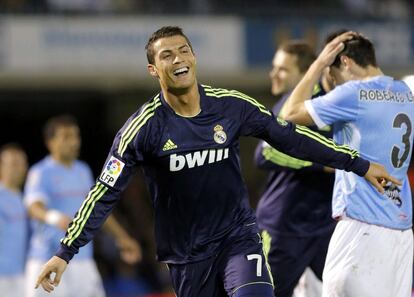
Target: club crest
<point x="219" y="135"/>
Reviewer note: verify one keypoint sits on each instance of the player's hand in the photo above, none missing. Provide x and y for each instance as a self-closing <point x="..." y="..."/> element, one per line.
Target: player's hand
<point x="55" y="265"/>
<point x="130" y="250"/>
<point x="378" y="176"/>
<point x="332" y="49"/>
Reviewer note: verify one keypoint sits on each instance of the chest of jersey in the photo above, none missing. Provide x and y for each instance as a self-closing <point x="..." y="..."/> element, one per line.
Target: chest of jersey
<point x="186" y="143"/>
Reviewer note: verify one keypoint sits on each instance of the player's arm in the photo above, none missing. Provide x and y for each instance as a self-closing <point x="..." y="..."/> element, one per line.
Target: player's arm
<point x="294" y="110"/>
<point x="130" y="249"/>
<point x="36" y="200"/>
<point x="37" y="210"/>
<point x="121" y="164"/>
<point x="302" y="143"/>
<point x="306" y="144"/>
<point x="268" y="158"/>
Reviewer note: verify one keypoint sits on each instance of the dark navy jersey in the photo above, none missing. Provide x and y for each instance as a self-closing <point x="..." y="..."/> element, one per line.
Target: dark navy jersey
<point x="192" y="168"/>
<point x="298" y="193"/>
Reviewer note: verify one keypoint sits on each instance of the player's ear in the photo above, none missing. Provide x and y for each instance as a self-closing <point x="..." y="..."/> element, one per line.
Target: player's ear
<point x="346" y="61"/>
<point x="152" y="70"/>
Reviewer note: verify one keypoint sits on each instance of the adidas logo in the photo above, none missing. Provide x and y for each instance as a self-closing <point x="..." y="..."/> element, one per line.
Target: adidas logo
<point x="169" y="145"/>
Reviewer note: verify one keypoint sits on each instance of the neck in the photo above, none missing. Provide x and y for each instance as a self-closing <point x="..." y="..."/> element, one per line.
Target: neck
<point x="368" y="72"/>
<point x="10" y="185"/>
<point x="59" y="159"/>
<point x="184" y="102"/>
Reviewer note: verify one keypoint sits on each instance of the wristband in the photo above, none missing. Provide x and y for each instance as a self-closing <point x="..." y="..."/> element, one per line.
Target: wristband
<point x="53" y="217"/>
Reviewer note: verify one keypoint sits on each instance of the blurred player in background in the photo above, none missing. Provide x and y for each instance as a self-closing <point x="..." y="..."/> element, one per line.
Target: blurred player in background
<point x="13" y="220"/>
<point x="294" y="213"/>
<point x="371" y="250"/>
<point x="55" y="188"/>
<point x="186" y="140"/>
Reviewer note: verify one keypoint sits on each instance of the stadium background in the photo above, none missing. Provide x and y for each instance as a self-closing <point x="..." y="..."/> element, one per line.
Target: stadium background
<point x="87" y="58"/>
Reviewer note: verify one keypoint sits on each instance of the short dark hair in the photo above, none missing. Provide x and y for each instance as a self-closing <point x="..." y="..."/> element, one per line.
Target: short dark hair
<point x="303" y="51"/>
<point x="167" y="31"/>
<point x="49" y="130"/>
<point x="11" y="146"/>
<point x="331" y="36"/>
<point x="359" y="48"/>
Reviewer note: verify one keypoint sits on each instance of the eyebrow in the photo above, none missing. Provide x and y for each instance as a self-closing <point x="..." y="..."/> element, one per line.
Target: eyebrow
<point x="169" y="51"/>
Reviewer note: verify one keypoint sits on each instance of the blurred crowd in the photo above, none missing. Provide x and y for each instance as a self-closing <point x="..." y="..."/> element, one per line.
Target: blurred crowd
<point x="395" y="9"/>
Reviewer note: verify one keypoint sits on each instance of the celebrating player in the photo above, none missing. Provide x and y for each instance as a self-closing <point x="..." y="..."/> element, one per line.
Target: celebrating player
<point x="186" y="141"/>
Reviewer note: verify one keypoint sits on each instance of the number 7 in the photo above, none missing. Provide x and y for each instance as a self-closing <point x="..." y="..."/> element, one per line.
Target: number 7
<point x="258" y="264"/>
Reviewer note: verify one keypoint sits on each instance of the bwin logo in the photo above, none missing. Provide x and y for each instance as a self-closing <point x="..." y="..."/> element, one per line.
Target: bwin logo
<point x="199" y="158"/>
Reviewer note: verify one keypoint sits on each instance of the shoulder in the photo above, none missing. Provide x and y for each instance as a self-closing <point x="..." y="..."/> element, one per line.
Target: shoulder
<point x="41" y="167"/>
<point x="82" y="166"/>
<point x="138" y="122"/>
<point x="233" y="98"/>
<point x="143" y="115"/>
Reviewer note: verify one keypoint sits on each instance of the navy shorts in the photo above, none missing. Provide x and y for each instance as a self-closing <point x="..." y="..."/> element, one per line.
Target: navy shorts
<point x="237" y="266"/>
<point x="289" y="256"/>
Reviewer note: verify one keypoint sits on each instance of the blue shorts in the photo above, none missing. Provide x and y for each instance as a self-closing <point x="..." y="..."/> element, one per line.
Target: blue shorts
<point x="238" y="266"/>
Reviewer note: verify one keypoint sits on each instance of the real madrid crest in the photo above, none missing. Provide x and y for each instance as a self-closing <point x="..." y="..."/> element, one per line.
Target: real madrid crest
<point x="219" y="135"/>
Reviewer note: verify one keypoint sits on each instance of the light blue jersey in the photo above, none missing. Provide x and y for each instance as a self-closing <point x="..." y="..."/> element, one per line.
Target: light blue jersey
<point x="375" y="117"/>
<point x="13" y="233"/>
<point x="60" y="188"/>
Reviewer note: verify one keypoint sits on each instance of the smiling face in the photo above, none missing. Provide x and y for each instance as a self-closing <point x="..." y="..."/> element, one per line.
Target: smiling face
<point x="174" y="63"/>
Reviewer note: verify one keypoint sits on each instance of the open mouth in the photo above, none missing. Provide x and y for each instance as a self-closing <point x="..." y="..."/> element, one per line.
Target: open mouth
<point x="181" y="71"/>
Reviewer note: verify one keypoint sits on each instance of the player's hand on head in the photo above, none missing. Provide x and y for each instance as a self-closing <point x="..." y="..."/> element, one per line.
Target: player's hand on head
<point x="333" y="48"/>
<point x="51" y="273"/>
<point x="130" y="250"/>
<point x="378" y="176"/>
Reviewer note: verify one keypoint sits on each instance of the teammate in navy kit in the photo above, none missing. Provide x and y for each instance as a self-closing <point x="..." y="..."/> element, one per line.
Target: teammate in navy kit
<point x="186" y="141"/>
<point x="294" y="212"/>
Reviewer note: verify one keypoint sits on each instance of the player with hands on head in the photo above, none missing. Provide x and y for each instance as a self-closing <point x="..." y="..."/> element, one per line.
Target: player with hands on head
<point x="371" y="250"/>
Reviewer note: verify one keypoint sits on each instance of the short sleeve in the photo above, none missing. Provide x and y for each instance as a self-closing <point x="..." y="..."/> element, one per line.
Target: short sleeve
<point x="339" y="105"/>
<point x="36" y="187"/>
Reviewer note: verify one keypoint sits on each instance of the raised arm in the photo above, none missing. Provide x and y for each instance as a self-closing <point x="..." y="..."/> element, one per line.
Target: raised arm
<point x="294" y="110"/>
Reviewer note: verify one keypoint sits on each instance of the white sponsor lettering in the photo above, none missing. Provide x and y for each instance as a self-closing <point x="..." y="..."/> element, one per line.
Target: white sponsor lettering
<point x="198" y="158"/>
<point x="176" y="162"/>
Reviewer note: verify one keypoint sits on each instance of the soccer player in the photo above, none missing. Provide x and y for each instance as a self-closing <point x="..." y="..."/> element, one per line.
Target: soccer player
<point x="294" y="212"/>
<point x="13" y="220"/>
<point x="186" y="141"/>
<point x="55" y="189"/>
<point x="371" y="250"/>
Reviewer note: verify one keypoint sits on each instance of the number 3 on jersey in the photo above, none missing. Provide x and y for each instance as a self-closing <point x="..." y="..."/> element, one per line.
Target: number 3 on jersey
<point x="399" y="120"/>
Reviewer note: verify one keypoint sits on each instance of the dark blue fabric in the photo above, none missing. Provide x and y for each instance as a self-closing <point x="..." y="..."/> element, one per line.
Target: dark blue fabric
<point x="196" y="186"/>
<point x="289" y="256"/>
<point x="225" y="273"/>
<point x="255" y="290"/>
